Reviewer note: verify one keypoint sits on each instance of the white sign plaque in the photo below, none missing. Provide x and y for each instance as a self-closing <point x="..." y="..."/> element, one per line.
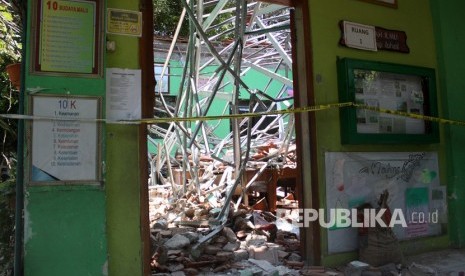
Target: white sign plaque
<point x="359" y="36"/>
<point x="65" y="148"/>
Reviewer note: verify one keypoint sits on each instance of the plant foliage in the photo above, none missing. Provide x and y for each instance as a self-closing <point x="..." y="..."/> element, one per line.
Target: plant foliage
<point x="11" y="29"/>
<point x="166" y="14"/>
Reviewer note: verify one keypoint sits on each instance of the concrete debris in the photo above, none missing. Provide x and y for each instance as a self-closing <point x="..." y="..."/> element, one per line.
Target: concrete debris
<point x="178" y="273"/>
<point x="295" y="257"/>
<point x="202" y="223"/>
<point x="266" y="266"/>
<point x="240" y="255"/>
<point x="177" y="242"/>
<point x="225" y="188"/>
<point x="191" y="236"/>
<point x="224" y="256"/>
<point x="229" y="234"/>
<point x="211" y="249"/>
<point x="248" y="243"/>
<point x="264" y="253"/>
<point x="255" y="240"/>
<point x="176" y="267"/>
<point x="208" y="215"/>
<point x="294" y="264"/>
<point x="160" y="224"/>
<point x="231" y="246"/>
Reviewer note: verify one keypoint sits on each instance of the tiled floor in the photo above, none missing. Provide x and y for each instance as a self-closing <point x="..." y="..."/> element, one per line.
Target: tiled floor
<point x="446" y="262"/>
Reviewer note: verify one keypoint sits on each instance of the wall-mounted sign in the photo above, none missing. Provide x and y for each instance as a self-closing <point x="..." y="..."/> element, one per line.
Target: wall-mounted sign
<point x="123" y="101"/>
<point x="391" y="40"/>
<point x="65" y="139"/>
<point x="372" y="38"/>
<point x="358" y="36"/>
<point x="66" y="36"/>
<point x="124" y="22"/>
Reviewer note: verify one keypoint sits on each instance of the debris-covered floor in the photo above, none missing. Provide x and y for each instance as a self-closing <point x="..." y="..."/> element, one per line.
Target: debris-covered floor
<point x="444" y="262"/>
<point x="186" y="240"/>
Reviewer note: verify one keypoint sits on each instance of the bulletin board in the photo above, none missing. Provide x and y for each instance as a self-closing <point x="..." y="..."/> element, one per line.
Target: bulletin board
<point x="411" y="178"/>
<point x="67" y="37"/>
<point x="65" y="144"/>
<point x="393" y="87"/>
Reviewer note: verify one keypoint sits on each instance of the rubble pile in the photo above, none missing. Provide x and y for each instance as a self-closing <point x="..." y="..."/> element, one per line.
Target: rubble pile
<point x="208" y="217"/>
<point x="213" y="211"/>
<point x="187" y="238"/>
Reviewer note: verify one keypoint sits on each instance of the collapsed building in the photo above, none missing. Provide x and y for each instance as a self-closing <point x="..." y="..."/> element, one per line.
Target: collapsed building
<point x="214" y="173"/>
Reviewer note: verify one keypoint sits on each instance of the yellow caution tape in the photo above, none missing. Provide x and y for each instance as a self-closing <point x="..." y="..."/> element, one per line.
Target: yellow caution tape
<point x="248" y="115"/>
<point x="244" y="115"/>
<point x="411" y="115"/>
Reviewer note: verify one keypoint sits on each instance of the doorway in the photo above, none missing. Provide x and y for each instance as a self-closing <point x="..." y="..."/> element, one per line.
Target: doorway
<point x="237" y="147"/>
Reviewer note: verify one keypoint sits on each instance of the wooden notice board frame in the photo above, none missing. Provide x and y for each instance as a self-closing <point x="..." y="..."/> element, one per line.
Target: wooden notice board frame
<point x="67" y="38"/>
<point x="395" y="87"/>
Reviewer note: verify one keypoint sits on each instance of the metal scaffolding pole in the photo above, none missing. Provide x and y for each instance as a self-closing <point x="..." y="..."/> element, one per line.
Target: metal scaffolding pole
<point x="236" y="38"/>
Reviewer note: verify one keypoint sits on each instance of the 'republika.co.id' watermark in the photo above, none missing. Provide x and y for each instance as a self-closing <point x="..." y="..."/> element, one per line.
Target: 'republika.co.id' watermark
<point x="359" y="218"/>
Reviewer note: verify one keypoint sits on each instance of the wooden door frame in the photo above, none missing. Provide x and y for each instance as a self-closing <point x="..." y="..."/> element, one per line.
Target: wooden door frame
<point x="146" y="61"/>
<point x="307" y="166"/>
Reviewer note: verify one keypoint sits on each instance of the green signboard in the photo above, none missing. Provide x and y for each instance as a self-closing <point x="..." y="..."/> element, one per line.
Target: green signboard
<point x="67" y="36"/>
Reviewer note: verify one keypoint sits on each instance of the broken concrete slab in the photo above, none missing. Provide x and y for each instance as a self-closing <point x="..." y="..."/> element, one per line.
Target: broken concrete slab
<point x="294" y="257"/>
<point x="178" y="241"/>
<point x="211" y="249"/>
<point x="256" y="240"/>
<point x="264" y="253"/>
<point x="224" y="256"/>
<point x="266" y="266"/>
<point x="231" y="246"/>
<point x="229" y="234"/>
<point x="191" y="236"/>
<point x="160" y="224"/>
<point x="240" y="254"/>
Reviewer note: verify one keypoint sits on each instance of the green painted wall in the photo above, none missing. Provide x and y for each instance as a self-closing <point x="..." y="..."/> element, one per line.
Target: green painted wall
<point x="450" y="36"/>
<point x="64" y="231"/>
<point x="83" y="229"/>
<point x="64" y="226"/>
<point x="413" y="17"/>
<point x="123" y="171"/>
<point x="123" y="203"/>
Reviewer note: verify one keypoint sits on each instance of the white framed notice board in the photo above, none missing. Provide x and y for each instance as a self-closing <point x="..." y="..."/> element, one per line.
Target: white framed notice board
<point x="65" y="140"/>
<point x="411" y="178"/>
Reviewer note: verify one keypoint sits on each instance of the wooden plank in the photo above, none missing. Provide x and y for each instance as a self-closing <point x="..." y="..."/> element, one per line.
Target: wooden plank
<point x="148" y="99"/>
